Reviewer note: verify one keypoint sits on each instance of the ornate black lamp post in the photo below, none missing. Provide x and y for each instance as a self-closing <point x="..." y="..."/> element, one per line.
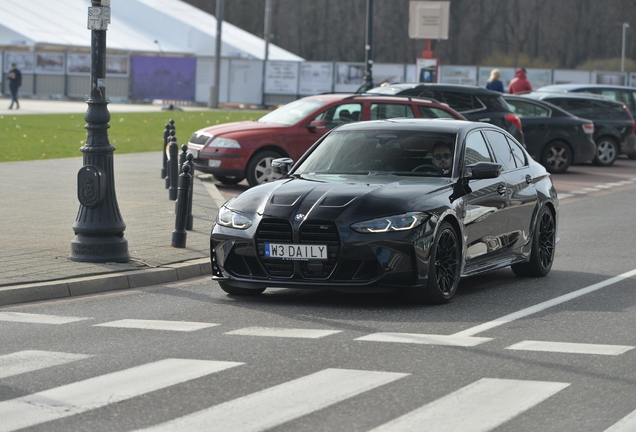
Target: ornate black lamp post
<point x="99" y="227"/>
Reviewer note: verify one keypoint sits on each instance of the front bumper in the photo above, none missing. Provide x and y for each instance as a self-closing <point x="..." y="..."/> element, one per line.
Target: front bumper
<point x="360" y="262"/>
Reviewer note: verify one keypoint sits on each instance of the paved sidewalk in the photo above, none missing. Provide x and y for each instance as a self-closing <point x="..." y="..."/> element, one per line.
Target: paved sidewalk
<point x="38" y="208"/>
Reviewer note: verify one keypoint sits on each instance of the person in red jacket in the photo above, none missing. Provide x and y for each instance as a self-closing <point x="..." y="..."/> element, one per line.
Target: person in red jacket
<point x="519" y="83"/>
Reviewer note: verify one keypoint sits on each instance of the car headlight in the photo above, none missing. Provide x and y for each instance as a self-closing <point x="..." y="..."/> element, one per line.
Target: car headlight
<point x="232" y="219"/>
<point x="224" y="143"/>
<point x="401" y="222"/>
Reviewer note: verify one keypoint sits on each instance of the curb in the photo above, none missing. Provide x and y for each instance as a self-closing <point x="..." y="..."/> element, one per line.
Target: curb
<point x="108" y="282"/>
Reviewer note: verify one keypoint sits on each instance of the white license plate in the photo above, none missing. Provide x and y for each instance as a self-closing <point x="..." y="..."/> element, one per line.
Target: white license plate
<point x="296" y="251"/>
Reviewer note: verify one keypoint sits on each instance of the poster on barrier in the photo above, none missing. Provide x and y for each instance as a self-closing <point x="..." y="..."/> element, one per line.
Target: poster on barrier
<point x="427" y="70"/>
<point x="539" y="77"/>
<point x="49" y="63"/>
<point x="349" y="77"/>
<point x="315" y="78"/>
<point x="25" y="61"/>
<point x="632" y="79"/>
<point x="387" y="73"/>
<point x="609" y="78"/>
<point x="466" y="75"/>
<point x="564" y="76"/>
<point x="281" y="77"/>
<point x="80" y="64"/>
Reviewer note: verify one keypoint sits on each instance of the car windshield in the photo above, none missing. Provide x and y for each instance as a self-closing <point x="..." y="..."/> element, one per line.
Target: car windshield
<point x="402" y="153"/>
<point x="293" y="112"/>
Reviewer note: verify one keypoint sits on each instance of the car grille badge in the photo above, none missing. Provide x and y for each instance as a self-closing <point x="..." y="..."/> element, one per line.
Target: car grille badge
<point x="299" y="217"/>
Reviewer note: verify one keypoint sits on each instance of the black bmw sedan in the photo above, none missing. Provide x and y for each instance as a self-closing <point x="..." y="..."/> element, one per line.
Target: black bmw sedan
<point x="411" y="204"/>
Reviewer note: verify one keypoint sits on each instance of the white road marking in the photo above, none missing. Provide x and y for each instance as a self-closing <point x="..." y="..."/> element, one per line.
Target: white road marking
<point x="564" y="195"/>
<point x="615" y="184"/>
<point x="183" y="326"/>
<point x="282" y="403"/>
<point x="478" y="407"/>
<point x="603" y="186"/>
<point x="590" y="189"/>
<point x="103" y="390"/>
<point x="425" y="339"/>
<point x="626" y="182"/>
<point x="283" y="332"/>
<point x="626" y="424"/>
<point x="27" y="361"/>
<point x="573" y="348"/>
<point x="544" y="305"/>
<point x="578" y="192"/>
<point x="38" y="318"/>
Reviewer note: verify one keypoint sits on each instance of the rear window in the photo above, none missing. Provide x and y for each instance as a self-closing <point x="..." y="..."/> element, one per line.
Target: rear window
<point x="592" y="109"/>
<point x="494" y="103"/>
<point x="462" y="102"/>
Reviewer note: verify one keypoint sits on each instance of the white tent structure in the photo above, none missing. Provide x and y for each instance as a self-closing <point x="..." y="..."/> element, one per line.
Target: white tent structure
<point x="138" y="26"/>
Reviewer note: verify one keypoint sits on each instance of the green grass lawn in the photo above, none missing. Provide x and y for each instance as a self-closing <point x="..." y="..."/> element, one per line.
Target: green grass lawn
<point x="52" y="136"/>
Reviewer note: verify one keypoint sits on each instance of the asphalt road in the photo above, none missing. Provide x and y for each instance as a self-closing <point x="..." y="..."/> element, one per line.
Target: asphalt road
<point x="508" y="354"/>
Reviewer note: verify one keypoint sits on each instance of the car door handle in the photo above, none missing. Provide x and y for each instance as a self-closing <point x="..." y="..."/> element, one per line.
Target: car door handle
<point x="528" y="179"/>
<point x="501" y="189"/>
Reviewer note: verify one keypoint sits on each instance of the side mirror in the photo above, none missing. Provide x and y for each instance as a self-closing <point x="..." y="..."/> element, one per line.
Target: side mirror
<point x="317" y="124"/>
<point x="482" y="170"/>
<point x="282" y="165"/>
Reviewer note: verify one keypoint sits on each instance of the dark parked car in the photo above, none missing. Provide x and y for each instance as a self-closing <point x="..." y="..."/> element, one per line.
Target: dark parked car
<point x="613" y="123"/>
<point x="626" y="95"/>
<point x="474" y="103"/>
<point x="371" y="207"/>
<point x="234" y="151"/>
<point x="554" y="137"/>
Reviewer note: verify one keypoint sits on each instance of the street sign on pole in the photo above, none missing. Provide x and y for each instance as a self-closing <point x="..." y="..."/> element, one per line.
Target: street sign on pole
<point x="428" y="19"/>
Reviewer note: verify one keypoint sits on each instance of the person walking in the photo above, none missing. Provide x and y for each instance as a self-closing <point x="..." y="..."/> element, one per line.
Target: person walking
<point x="15" y="81"/>
<point x="519" y="83"/>
<point x="494" y="81"/>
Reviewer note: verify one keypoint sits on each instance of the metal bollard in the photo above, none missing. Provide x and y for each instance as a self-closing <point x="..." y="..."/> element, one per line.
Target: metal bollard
<point x="173" y="169"/>
<point x="190" y="221"/>
<point x="182" y="160"/>
<point x="172" y="126"/>
<point x="179" y="234"/>
<point x="170" y="135"/>
<point x="166" y="133"/>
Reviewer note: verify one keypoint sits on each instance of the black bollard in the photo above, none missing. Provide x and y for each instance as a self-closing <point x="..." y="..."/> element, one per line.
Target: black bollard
<point x="172" y="126"/>
<point x="182" y="160"/>
<point x="190" y="163"/>
<point x="166" y="151"/>
<point x="179" y="234"/>
<point x="164" y="156"/>
<point x="173" y="168"/>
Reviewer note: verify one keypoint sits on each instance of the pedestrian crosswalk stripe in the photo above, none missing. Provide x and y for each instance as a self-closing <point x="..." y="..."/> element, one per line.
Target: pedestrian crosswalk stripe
<point x="626" y="424"/>
<point x="38" y="318"/>
<point x="425" y="339"/>
<point x="282" y="403"/>
<point x="27" y="361"/>
<point x="283" y="332"/>
<point x="544" y="305"/>
<point x="183" y="326"/>
<point x="573" y="348"/>
<point x="103" y="390"/>
<point x="478" y="407"/>
<point x="603" y="186"/>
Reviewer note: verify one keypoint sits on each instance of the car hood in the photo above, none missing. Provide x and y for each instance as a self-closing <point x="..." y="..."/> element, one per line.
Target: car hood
<point x="243" y="126"/>
<point x="336" y="197"/>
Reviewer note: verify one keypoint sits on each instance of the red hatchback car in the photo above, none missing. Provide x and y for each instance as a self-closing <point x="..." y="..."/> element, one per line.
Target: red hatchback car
<point x="239" y="150"/>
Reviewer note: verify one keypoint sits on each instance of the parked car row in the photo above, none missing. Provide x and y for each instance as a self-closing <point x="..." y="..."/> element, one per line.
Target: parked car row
<point x="559" y="125"/>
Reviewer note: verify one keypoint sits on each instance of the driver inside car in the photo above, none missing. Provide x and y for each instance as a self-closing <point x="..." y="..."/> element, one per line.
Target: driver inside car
<point x="443" y="157"/>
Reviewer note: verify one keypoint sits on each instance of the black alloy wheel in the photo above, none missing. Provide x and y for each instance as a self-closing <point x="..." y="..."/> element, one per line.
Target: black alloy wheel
<point x="240" y="291"/>
<point x="556" y="157"/>
<point x="543" y="242"/>
<point x="444" y="268"/>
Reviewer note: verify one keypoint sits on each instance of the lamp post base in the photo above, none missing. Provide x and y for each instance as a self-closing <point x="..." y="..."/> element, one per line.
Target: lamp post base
<point x="86" y="248"/>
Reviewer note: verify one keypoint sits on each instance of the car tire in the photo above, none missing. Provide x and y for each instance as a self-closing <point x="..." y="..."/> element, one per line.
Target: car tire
<point x="259" y="169"/>
<point x="606" y="152"/>
<point x="556" y="157"/>
<point x="444" y="268"/>
<point x="632" y="155"/>
<point x="240" y="291"/>
<point x="543" y="241"/>
<point x="228" y="180"/>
